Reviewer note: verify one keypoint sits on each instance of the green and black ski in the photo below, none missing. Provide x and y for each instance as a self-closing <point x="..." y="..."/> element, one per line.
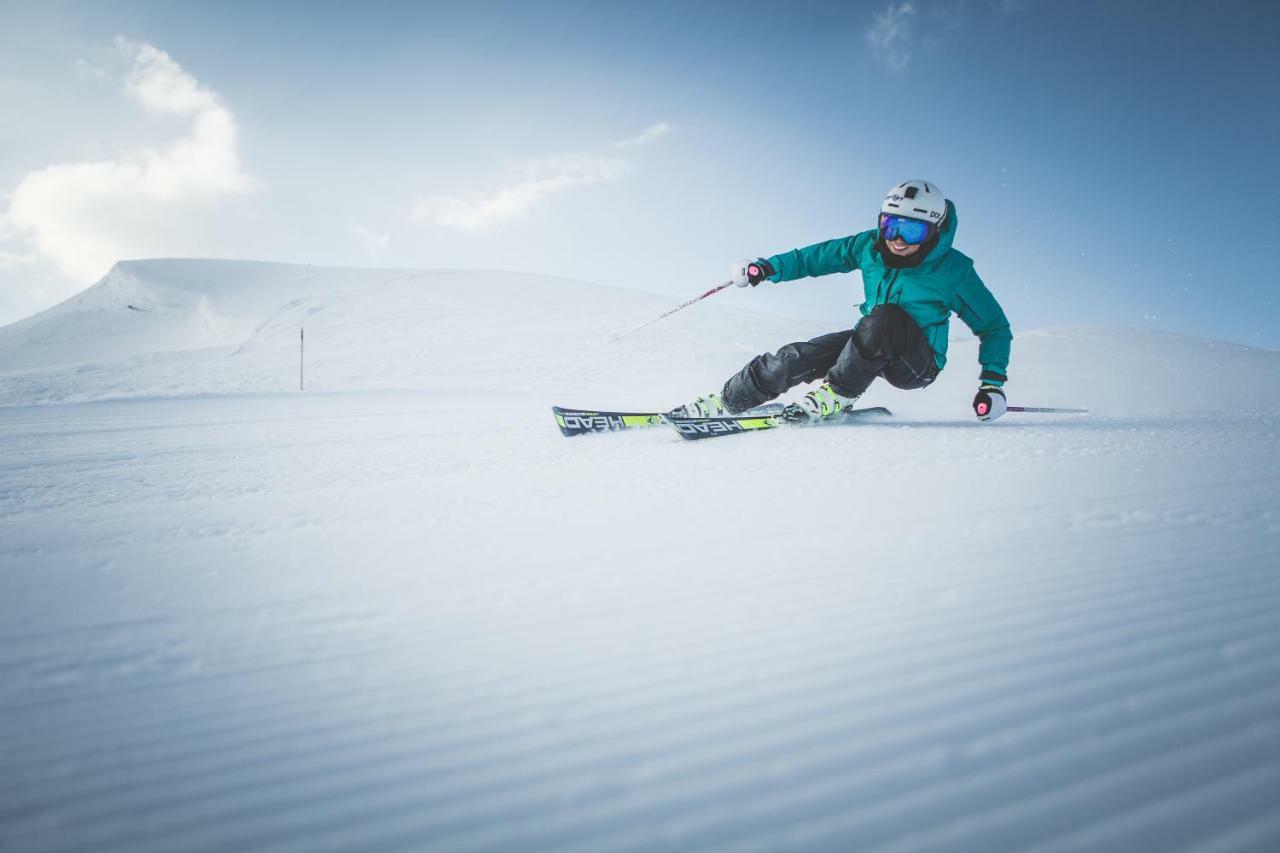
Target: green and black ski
<point x="583" y="421"/>
<point x="694" y="429"/>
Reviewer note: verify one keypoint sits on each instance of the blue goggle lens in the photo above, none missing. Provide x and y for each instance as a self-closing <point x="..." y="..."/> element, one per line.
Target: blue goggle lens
<point x="912" y="231"/>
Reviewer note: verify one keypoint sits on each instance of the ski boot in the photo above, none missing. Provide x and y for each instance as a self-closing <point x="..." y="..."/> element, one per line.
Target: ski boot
<point x="819" y="404"/>
<point x="706" y="406"/>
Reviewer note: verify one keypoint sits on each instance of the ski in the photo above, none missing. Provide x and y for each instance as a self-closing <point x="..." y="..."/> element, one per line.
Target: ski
<point x="694" y="429"/>
<point x="584" y="421"/>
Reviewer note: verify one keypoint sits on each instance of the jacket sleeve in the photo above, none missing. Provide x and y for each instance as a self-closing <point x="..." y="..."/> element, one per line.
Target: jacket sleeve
<point x="982" y="313"/>
<point x="831" y="256"/>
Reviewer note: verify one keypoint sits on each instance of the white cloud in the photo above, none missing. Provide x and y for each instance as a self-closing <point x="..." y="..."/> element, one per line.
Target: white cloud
<point x="891" y="35"/>
<point x="649" y="134"/>
<point x="542" y="178"/>
<point x="539" y="180"/>
<point x="373" y="242"/>
<point x="161" y="84"/>
<point x="85" y="216"/>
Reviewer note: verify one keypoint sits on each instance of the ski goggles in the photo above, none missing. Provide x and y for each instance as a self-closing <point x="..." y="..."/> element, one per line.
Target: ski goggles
<point x="912" y="231"/>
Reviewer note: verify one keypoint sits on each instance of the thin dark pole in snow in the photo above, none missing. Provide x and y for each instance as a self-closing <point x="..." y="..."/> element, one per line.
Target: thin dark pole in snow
<point x="302" y="347"/>
<point x="1048" y="410"/>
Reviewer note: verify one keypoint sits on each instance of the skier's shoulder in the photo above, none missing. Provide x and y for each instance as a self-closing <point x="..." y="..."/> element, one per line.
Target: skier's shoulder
<point x="867" y="237"/>
<point x="957" y="259"/>
<point x="862" y="244"/>
<point x="855" y="248"/>
<point x="954" y="264"/>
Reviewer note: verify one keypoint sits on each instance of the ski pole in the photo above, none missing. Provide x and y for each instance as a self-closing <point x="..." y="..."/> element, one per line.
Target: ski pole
<point x="1044" y="409"/>
<point x="713" y="290"/>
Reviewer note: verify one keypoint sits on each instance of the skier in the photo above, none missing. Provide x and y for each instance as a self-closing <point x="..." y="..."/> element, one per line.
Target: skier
<point x="913" y="281"/>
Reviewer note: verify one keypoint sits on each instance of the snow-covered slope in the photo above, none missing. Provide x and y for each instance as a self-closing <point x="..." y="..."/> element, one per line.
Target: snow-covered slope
<point x="217" y="326"/>
<point x="173" y="327"/>
<point x="144" y="307"/>
<point x="372" y="617"/>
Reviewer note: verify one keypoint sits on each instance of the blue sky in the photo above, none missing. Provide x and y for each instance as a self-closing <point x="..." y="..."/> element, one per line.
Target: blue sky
<point x="1092" y="148"/>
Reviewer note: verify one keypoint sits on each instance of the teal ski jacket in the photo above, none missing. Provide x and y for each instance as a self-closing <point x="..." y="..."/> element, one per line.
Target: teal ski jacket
<point x="943" y="284"/>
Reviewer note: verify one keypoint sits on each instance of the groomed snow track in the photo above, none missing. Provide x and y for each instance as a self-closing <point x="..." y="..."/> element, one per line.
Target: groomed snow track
<point x="352" y="620"/>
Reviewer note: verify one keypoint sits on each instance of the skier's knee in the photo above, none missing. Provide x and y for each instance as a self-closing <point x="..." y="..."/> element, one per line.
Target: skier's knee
<point x="881" y="331"/>
<point x="775" y="372"/>
<point x="786" y="354"/>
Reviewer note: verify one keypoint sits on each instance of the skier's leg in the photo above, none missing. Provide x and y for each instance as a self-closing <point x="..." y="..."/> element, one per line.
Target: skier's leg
<point x="766" y="376"/>
<point x="915" y="366"/>
<point x="880" y="339"/>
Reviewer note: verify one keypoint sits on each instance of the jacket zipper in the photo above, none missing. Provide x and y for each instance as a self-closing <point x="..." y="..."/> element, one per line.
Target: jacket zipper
<point x="889" y="282"/>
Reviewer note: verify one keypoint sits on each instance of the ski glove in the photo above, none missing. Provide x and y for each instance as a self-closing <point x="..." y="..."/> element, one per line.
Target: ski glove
<point x="989" y="403"/>
<point x="750" y="272"/>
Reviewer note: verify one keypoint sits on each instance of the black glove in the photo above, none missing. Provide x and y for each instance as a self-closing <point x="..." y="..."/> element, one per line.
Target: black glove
<point x="989" y="403"/>
<point x="750" y="272"/>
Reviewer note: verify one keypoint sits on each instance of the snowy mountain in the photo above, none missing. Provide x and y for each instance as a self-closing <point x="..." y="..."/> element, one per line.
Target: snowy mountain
<point x="401" y="612"/>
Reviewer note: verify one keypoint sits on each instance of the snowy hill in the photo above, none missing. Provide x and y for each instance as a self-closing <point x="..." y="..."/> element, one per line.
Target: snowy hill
<point x="190" y="326"/>
<point x="374" y="617"/>
<point x="182" y="327"/>
<point x="143" y="307"/>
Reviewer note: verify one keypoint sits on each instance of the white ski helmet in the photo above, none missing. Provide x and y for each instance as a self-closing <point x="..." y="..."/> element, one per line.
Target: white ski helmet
<point x="918" y="200"/>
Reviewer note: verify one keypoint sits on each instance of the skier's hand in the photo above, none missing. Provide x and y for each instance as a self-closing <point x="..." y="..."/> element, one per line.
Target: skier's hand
<point x="750" y="272"/>
<point x="989" y="403"/>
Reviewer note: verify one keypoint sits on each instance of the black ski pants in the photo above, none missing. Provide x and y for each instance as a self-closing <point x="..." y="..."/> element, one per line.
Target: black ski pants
<point x="886" y="342"/>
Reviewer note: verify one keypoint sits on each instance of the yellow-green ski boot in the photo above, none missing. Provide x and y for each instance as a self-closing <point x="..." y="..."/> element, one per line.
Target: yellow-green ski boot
<point x="819" y="404"/>
<point x="706" y="406"/>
